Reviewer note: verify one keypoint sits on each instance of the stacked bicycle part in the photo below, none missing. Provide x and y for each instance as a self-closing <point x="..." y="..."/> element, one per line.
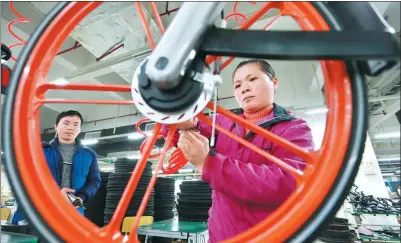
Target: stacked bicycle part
<point x="116" y="186"/>
<point x="337" y="231"/>
<point x="384" y="234"/>
<point x="368" y="204"/>
<point x="194" y="201"/>
<point x="164" y="203"/>
<point x="95" y="206"/>
<point x="164" y="198"/>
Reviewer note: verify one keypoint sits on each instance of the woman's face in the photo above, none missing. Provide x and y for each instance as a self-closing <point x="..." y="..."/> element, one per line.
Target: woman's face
<point x="253" y="88"/>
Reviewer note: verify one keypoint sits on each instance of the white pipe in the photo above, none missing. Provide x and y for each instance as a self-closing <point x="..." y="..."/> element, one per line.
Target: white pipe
<point x="385" y="97"/>
<point x="115" y="121"/>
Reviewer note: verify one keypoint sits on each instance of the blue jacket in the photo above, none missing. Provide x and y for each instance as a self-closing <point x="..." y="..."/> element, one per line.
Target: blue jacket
<point x="85" y="171"/>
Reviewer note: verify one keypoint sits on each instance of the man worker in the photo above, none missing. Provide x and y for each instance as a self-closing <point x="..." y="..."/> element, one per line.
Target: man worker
<point x="73" y="165"/>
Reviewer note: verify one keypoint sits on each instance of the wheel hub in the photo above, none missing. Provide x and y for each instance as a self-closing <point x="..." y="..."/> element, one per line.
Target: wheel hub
<point x="176" y="104"/>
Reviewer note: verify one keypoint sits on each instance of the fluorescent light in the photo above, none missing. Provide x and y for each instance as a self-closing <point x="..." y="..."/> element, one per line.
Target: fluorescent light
<point x="134" y="156"/>
<point x="316" y="111"/>
<point x="89" y="141"/>
<point x="388" y="159"/>
<point x="2" y="152"/>
<point x="136" y="135"/>
<point x="60" y="81"/>
<point x="386" y="135"/>
<point x="185" y="170"/>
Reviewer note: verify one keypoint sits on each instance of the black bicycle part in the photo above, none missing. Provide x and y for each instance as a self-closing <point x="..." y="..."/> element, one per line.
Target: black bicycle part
<point x="296" y="45"/>
<point x="361" y="17"/>
<point x="174" y="99"/>
<point x="24" y="202"/>
<point x="345" y="179"/>
<point x="5" y="53"/>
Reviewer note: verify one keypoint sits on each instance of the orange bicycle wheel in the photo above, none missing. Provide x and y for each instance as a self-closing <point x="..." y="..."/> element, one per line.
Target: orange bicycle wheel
<point x="321" y="187"/>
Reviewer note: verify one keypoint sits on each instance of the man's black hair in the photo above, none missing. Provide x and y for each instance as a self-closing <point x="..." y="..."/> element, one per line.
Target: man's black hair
<point x="265" y="66"/>
<point x="69" y="113"/>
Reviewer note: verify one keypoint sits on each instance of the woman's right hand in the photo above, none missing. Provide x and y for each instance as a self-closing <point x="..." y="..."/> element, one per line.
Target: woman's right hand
<point x="191" y="123"/>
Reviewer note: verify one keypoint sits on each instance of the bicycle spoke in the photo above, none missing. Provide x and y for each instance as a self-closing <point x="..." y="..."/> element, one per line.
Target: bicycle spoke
<point x="126" y="197"/>
<point x="145" y="25"/>
<point x="45" y="86"/>
<point x="99" y="102"/>
<point x="304" y="154"/>
<point x="157" y="17"/>
<point x="151" y="185"/>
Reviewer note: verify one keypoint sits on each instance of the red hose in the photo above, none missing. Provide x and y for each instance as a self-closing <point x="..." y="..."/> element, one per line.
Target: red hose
<point x="235" y="14"/>
<point x="177" y="159"/>
<point x="21" y="19"/>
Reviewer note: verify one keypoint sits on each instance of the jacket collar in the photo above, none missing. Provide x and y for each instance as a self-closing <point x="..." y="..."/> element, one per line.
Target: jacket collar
<point x="278" y="114"/>
<point x="55" y="142"/>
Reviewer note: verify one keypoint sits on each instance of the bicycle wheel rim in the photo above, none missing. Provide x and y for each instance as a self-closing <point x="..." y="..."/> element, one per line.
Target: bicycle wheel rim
<point x="10" y="154"/>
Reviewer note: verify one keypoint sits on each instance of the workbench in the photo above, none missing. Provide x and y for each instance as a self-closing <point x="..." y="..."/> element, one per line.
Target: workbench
<point x="8" y="237"/>
<point x="194" y="232"/>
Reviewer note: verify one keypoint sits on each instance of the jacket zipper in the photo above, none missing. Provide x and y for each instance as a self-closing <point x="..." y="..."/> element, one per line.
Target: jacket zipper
<point x="61" y="164"/>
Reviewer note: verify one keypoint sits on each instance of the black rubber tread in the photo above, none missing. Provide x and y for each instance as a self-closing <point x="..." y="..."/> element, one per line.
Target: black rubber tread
<point x="189" y="207"/>
<point x="132" y="206"/>
<point x="148" y="212"/>
<point x="113" y="204"/>
<point x="24" y="201"/>
<point x="164" y="196"/>
<point x="164" y="203"/>
<point x="195" y="202"/>
<point x="195" y="197"/>
<point x="168" y="190"/>
<point x="120" y="189"/>
<point x="130" y="210"/>
<point x="345" y="178"/>
<point x="95" y="206"/>
<point x="190" y="189"/>
<point x="128" y="165"/>
<point x="164" y="210"/>
<point x="129" y="170"/>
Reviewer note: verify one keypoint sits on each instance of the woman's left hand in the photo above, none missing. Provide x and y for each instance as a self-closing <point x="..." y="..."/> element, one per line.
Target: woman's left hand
<point x="194" y="146"/>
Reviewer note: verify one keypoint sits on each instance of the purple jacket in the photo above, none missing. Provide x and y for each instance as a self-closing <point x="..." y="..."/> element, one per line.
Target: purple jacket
<point x="247" y="187"/>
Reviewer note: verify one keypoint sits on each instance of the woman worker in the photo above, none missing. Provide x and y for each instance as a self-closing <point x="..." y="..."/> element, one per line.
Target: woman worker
<point x="247" y="187"/>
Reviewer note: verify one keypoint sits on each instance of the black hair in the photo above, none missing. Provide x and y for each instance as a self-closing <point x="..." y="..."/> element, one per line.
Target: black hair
<point x="265" y="66"/>
<point x="69" y="113"/>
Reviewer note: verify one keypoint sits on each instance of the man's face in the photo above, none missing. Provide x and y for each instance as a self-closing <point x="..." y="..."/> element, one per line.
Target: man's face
<point x="68" y="128"/>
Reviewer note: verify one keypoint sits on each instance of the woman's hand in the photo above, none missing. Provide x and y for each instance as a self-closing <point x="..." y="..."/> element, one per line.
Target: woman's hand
<point x="194" y="146"/>
<point x="191" y="123"/>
